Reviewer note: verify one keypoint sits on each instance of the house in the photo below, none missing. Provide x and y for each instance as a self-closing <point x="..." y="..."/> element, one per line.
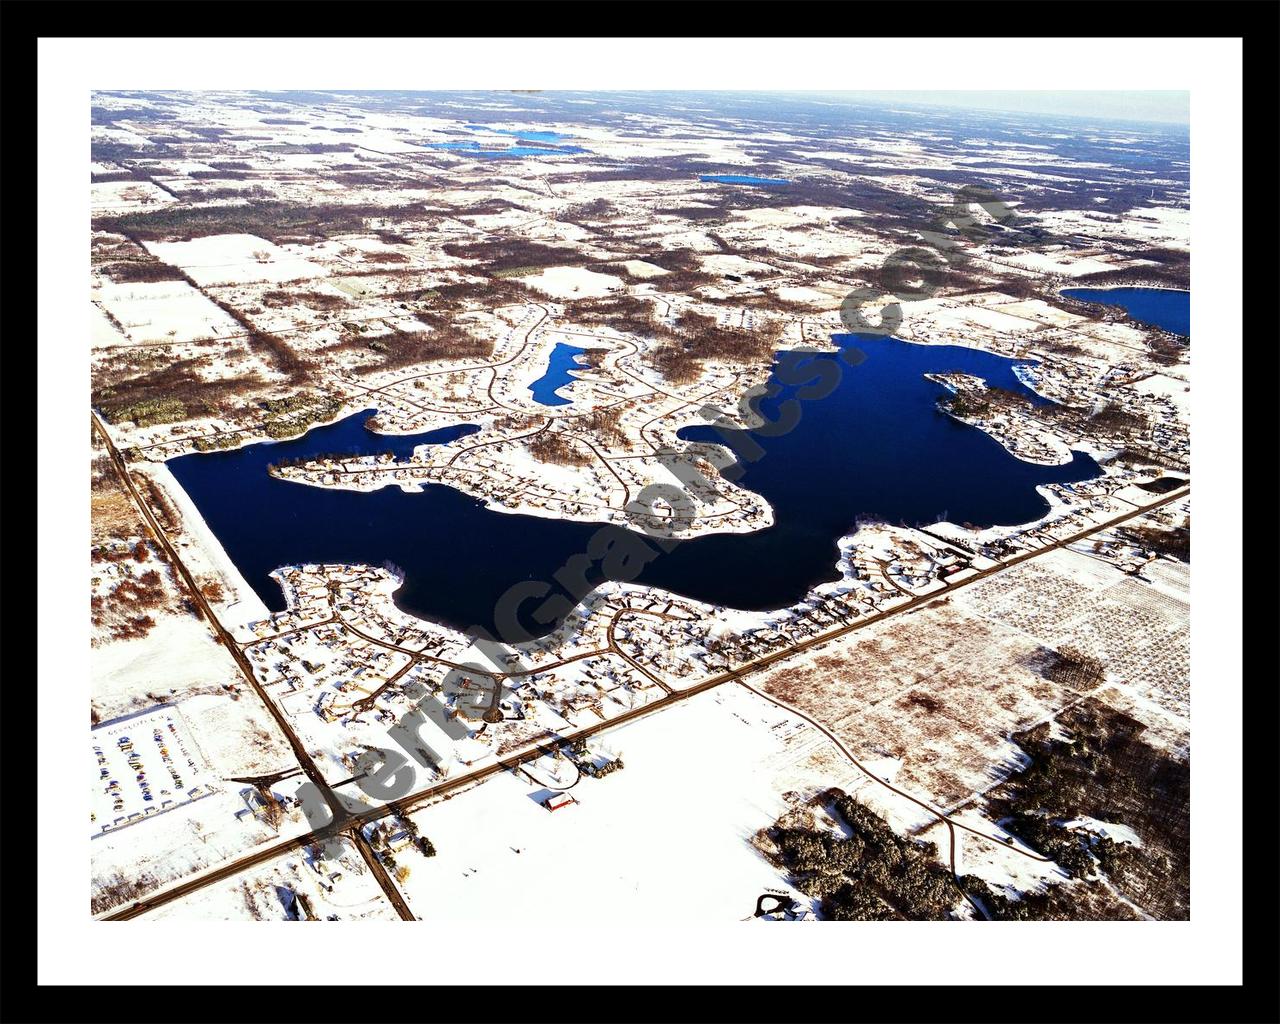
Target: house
<point x="558" y="800"/>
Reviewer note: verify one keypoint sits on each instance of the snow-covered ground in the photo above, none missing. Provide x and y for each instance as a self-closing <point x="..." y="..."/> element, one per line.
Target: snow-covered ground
<point x="178" y="654"/>
<point x="203" y="552"/>
<point x="233" y="259"/>
<point x="113" y="197"/>
<point x="573" y="282"/>
<point x="340" y="888"/>
<point x="165" y="311"/>
<point x="666" y="838"/>
<point x="639" y="268"/>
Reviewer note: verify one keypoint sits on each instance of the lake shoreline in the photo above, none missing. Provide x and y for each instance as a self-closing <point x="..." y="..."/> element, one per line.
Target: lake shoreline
<point x="1171" y="312"/>
<point x="460" y="558"/>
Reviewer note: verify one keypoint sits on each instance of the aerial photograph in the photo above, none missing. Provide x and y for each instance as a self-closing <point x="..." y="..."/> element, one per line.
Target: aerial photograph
<point x="651" y="506"/>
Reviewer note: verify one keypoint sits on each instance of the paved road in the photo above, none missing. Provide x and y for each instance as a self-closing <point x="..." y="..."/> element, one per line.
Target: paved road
<point x="336" y="807"/>
<point x="223" y="636"/>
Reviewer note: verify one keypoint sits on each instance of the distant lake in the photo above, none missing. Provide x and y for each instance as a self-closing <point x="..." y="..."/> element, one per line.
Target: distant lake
<point x="1166" y="308"/>
<point x="877" y="446"/>
<point x="532" y="136"/>
<point x="743" y="179"/>
<point x="563" y="359"/>
<point x="472" y="148"/>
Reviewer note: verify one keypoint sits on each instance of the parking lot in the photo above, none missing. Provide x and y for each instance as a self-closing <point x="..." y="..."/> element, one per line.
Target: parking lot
<point x="143" y="765"/>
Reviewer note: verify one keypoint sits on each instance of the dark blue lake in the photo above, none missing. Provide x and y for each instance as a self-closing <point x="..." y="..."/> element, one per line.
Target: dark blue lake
<point x="1166" y="308"/>
<point x="876" y="446"/>
<point x="563" y="359"/>
<point x="743" y="179"/>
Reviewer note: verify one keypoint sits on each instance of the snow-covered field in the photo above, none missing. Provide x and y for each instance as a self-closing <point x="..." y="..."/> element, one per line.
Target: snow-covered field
<point x="1162" y="385"/>
<point x="234" y="259"/>
<point x="1062" y="261"/>
<point x="165" y="311"/>
<point x="639" y="268"/>
<point x="940" y="690"/>
<point x="666" y="838"/>
<point x="111" y="197"/>
<point x="573" y="282"/>
<point x="102" y="332"/>
<point x="338" y="889"/>
<point x="1140" y="632"/>
<point x="179" y="655"/>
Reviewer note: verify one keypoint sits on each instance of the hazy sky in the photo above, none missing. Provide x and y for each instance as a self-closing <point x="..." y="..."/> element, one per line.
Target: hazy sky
<point x="1172" y="107"/>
